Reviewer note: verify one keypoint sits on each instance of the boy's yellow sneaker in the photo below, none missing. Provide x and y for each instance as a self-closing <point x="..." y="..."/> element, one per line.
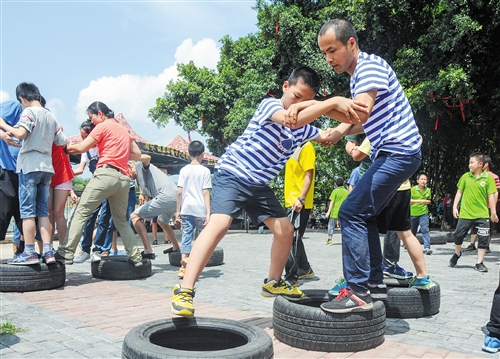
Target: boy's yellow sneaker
<point x="274" y="288"/>
<point x="182" y="301"/>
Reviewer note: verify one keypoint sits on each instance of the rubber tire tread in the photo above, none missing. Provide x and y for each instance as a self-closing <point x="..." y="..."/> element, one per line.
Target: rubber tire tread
<point x="216" y="259"/>
<point x="412" y="302"/>
<point x="17" y="278"/>
<point x="137" y="343"/>
<point x="119" y="270"/>
<point x="304" y="325"/>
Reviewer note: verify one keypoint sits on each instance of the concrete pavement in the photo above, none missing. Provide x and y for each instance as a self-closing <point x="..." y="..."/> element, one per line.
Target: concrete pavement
<point x="88" y="317"/>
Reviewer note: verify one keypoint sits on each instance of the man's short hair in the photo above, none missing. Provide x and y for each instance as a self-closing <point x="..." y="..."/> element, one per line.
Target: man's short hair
<point x="28" y="91"/>
<point x="342" y="29"/>
<point x="196" y="148"/>
<point x="307" y="75"/>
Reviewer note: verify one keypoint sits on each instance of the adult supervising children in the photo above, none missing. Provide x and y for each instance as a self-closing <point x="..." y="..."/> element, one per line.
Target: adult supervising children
<point x="242" y="175"/>
<point x="110" y="180"/>
<point x="395" y="152"/>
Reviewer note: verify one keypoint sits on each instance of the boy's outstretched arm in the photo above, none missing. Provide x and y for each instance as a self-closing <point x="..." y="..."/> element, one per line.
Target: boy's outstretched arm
<point x="331" y="136"/>
<point x="18" y="132"/>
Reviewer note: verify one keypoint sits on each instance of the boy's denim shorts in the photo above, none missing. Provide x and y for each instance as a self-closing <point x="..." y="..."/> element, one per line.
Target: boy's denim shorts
<point x="231" y="196"/>
<point x="34" y="194"/>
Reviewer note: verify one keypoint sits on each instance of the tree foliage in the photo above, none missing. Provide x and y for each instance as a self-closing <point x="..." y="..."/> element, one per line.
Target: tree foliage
<point x="444" y="53"/>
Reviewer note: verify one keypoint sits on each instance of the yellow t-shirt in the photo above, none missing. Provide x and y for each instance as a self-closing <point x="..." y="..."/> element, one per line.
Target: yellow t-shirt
<point x="295" y="170"/>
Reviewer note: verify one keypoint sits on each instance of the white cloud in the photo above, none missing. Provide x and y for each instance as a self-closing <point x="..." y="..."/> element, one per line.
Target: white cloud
<point x="134" y="95"/>
<point x="4" y="96"/>
<point x="56" y="106"/>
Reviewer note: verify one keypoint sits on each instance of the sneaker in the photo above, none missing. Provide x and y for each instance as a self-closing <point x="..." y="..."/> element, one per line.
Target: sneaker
<point x="136" y="264"/>
<point x="491" y="344"/>
<point x="329" y="242"/>
<point x="378" y="291"/>
<point x="422" y="283"/>
<point x="427" y="251"/>
<point x="454" y="259"/>
<point x="182" y="301"/>
<point x="96" y="256"/>
<point x="49" y="257"/>
<point x="81" y="257"/>
<point x="470" y="248"/>
<point x="306" y="274"/>
<point x="480" y="267"/>
<point x="181" y="272"/>
<point x="348" y="301"/>
<point x="274" y="288"/>
<point x="25" y="259"/>
<point x="60" y="258"/>
<point x="397" y="272"/>
<point x="341" y="284"/>
<point x="10" y="260"/>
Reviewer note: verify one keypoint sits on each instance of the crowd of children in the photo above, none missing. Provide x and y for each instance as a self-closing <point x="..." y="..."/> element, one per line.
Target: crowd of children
<point x="379" y="200"/>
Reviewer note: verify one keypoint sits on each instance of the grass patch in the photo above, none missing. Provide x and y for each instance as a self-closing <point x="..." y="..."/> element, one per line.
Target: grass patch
<point x="8" y="327"/>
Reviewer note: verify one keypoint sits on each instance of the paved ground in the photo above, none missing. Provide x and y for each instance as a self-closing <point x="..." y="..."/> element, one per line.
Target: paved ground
<point x="88" y="318"/>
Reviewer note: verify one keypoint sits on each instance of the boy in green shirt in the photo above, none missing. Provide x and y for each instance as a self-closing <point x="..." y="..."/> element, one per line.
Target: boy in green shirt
<point x="476" y="189"/>
<point x="419" y="212"/>
<point x="337" y="197"/>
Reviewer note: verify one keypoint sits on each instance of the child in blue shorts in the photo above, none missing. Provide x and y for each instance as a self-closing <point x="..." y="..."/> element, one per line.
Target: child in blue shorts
<point x="242" y="175"/>
<point x="38" y="128"/>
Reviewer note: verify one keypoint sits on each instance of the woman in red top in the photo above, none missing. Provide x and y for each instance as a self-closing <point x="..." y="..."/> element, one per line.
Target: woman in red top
<point x="60" y="188"/>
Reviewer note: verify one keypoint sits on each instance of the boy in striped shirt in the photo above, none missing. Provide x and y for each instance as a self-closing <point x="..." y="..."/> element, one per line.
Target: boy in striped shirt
<point x="243" y="172"/>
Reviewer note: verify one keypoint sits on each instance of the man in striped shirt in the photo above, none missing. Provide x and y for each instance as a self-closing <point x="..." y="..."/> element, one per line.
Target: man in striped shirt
<point x="395" y="152"/>
<point x="242" y="175"/>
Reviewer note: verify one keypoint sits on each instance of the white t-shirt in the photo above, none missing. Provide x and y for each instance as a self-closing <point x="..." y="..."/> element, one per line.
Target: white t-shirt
<point x="193" y="179"/>
<point x="94" y="155"/>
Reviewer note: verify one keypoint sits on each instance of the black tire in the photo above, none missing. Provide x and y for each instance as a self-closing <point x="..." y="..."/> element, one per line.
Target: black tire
<point x="412" y="302"/>
<point x="17" y="278"/>
<point x="197" y="338"/>
<point x="303" y="324"/>
<point x="216" y="259"/>
<point x="437" y="237"/>
<point x="120" y="270"/>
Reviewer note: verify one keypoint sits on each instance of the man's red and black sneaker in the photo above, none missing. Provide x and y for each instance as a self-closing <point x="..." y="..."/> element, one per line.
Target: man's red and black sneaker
<point x="348" y="301"/>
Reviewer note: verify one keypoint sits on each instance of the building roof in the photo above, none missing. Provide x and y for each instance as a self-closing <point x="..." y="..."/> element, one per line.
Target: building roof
<point x="172" y="157"/>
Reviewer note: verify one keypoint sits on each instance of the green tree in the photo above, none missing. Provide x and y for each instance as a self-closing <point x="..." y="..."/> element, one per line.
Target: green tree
<point x="444" y="53"/>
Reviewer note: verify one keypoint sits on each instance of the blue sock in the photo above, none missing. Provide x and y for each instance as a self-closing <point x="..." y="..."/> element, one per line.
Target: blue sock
<point x="29" y="248"/>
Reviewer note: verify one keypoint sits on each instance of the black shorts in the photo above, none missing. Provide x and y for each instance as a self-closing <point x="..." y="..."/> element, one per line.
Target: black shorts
<point x="396" y="216"/>
<point x="230" y="196"/>
<point x="480" y="226"/>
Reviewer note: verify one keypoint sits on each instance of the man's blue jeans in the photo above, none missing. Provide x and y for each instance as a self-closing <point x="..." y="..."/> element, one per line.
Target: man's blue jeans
<point x="423" y="222"/>
<point x="361" y="252"/>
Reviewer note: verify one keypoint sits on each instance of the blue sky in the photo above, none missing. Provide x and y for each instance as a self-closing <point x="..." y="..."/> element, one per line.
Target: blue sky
<point x="122" y="53"/>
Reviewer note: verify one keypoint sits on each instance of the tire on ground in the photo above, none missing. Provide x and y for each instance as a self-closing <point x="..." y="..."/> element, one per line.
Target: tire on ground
<point x="120" y="270"/>
<point x="303" y="324"/>
<point x="197" y="338"/>
<point x="411" y="302"/>
<point x="437" y="237"/>
<point x="216" y="259"/>
<point x="19" y="278"/>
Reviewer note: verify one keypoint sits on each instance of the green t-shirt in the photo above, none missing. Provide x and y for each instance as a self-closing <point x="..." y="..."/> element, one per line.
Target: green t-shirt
<point x="338" y="196"/>
<point x="475" y="191"/>
<point x="419" y="209"/>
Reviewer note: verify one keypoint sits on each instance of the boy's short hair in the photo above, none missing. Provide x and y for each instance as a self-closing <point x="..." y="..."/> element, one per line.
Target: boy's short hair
<point x="342" y="29"/>
<point x="487" y="160"/>
<point x="422" y="174"/>
<point x="196" y="148"/>
<point x="339" y="181"/>
<point x="307" y="75"/>
<point x="479" y="156"/>
<point x="28" y="91"/>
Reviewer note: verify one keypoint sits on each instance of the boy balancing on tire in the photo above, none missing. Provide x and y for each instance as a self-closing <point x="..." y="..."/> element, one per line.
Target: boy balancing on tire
<point x="242" y="175"/>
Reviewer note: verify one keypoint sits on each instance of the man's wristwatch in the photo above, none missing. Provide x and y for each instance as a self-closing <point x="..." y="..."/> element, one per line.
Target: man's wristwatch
<point x="301" y="200"/>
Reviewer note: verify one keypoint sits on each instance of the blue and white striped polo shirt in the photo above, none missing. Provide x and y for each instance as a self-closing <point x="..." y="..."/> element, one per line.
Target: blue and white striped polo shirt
<point x="259" y="154"/>
<point x="391" y="126"/>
